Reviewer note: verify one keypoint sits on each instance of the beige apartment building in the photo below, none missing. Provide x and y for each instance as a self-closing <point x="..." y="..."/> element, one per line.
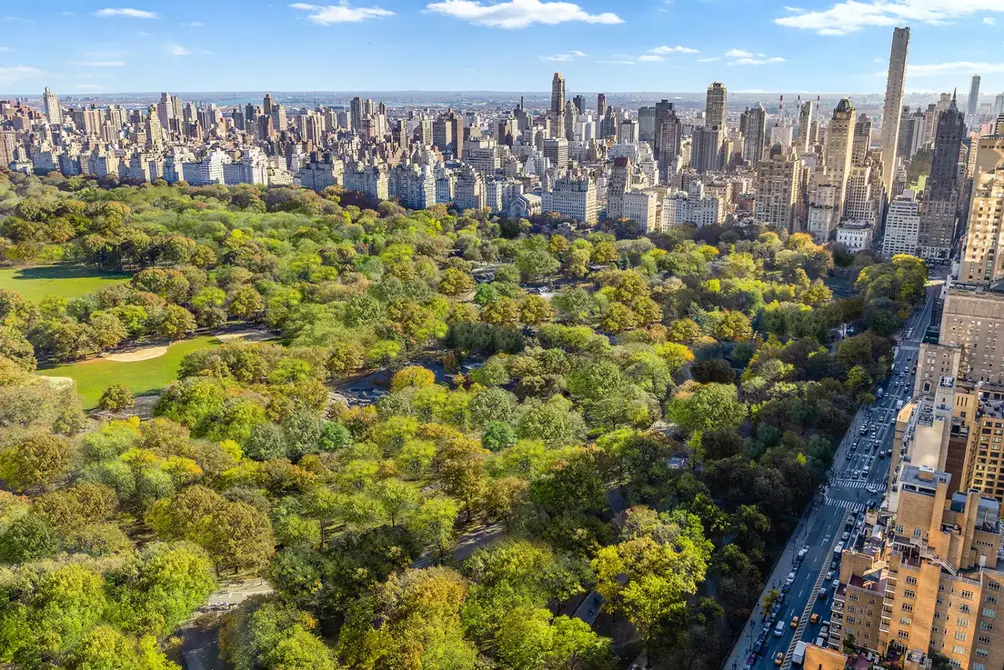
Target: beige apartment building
<point x="922" y="577"/>
<point x="973" y="319"/>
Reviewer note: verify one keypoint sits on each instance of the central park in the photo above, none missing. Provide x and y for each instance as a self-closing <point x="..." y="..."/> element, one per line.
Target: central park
<point x="437" y="439"/>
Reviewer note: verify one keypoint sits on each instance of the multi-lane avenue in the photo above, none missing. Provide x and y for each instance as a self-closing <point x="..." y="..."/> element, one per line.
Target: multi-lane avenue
<point x="806" y="569"/>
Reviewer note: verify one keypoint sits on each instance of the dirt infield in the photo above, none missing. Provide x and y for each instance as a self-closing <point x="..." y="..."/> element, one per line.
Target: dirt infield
<point x="251" y="335"/>
<point x="135" y="355"/>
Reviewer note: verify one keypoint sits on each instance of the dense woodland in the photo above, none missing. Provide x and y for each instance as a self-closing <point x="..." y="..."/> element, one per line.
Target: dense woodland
<point x="651" y="432"/>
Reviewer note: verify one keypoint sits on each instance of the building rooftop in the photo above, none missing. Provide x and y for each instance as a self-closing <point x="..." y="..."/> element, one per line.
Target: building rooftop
<point x="922" y="479"/>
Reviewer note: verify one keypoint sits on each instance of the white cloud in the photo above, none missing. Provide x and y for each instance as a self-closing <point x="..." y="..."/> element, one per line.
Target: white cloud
<point x="673" y="50"/>
<point x="710" y="59"/>
<point x="757" y="61"/>
<point x="850" y="16"/>
<point x="126" y="11"/>
<point x="650" y="58"/>
<point x="738" y="53"/>
<point x="5" y="49"/>
<point x="178" y="50"/>
<point x="340" y="13"/>
<point x="989" y="20"/>
<point x="954" y="66"/>
<point x="565" y="57"/>
<point x="796" y="10"/>
<point x="98" y="63"/>
<point x="193" y="24"/>
<point x="518" y="13"/>
<point x="18" y="73"/>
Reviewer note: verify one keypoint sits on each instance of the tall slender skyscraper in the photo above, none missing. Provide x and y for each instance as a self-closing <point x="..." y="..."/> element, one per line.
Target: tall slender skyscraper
<point x="974" y="100"/>
<point x="893" y="104"/>
<point x="53" y="112"/>
<point x="601" y="105"/>
<point x="557" y="105"/>
<point x="714" y="111"/>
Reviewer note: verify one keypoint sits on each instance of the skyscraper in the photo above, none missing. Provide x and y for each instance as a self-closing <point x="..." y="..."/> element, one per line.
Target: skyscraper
<point x="667" y="132"/>
<point x="804" y="138"/>
<point x="839" y="150"/>
<point x="974" y="99"/>
<point x="580" y="104"/>
<point x="982" y="260"/>
<point x="779" y="179"/>
<point x="943" y="180"/>
<point x="893" y="104"/>
<point x="601" y="105"/>
<point x="753" y="126"/>
<point x="557" y="105"/>
<point x="714" y="111"/>
<point x="862" y="139"/>
<point x="941" y="204"/>
<point x="53" y="112"/>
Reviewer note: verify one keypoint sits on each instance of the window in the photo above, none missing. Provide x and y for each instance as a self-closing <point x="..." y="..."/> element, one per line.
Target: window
<point x="984" y="639"/>
<point x="917" y="532"/>
<point x="986" y="625"/>
<point x="904" y="634"/>
<point x="960" y="636"/>
<point x="909" y="594"/>
<point x="907" y="607"/>
<point x="991" y="599"/>
<point x="982" y="653"/>
<point x="911" y="580"/>
<point x="967" y="595"/>
<point x="989" y="613"/>
<point x="956" y="649"/>
<point x="965" y="609"/>
<point x="962" y="623"/>
<point x="899" y="529"/>
<point x="904" y="621"/>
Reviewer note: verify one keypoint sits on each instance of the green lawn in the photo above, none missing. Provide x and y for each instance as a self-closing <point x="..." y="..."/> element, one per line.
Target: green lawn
<point x="140" y="377"/>
<point x="63" y="281"/>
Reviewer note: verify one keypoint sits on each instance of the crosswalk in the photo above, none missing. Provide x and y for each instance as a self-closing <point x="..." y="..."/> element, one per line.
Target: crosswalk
<point x="851" y="483"/>
<point x="845" y="504"/>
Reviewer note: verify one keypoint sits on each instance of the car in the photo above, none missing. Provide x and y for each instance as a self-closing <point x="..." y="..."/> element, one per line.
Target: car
<point x="820" y="642"/>
<point x="786" y="587"/>
<point x="822" y="594"/>
<point x="833" y="564"/>
<point x="794" y="622"/>
<point x="845" y="536"/>
<point x="829" y="575"/>
<point x="779" y="629"/>
<point x="836" y="583"/>
<point x="758" y="646"/>
<point x="814" y="619"/>
<point x="780" y="599"/>
<point x="779" y="658"/>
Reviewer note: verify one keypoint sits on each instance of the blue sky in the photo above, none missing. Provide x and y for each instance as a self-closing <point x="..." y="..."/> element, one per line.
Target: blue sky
<point x="79" y="46"/>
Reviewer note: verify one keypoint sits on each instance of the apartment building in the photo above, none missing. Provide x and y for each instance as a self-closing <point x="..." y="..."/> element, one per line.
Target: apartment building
<point x="973" y="319"/>
<point x="922" y="577"/>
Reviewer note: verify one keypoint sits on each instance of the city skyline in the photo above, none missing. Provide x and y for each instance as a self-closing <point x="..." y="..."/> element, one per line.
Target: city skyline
<point x="462" y="45"/>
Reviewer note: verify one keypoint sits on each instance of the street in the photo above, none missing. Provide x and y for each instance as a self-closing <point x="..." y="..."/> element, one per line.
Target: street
<point x="857" y="480"/>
